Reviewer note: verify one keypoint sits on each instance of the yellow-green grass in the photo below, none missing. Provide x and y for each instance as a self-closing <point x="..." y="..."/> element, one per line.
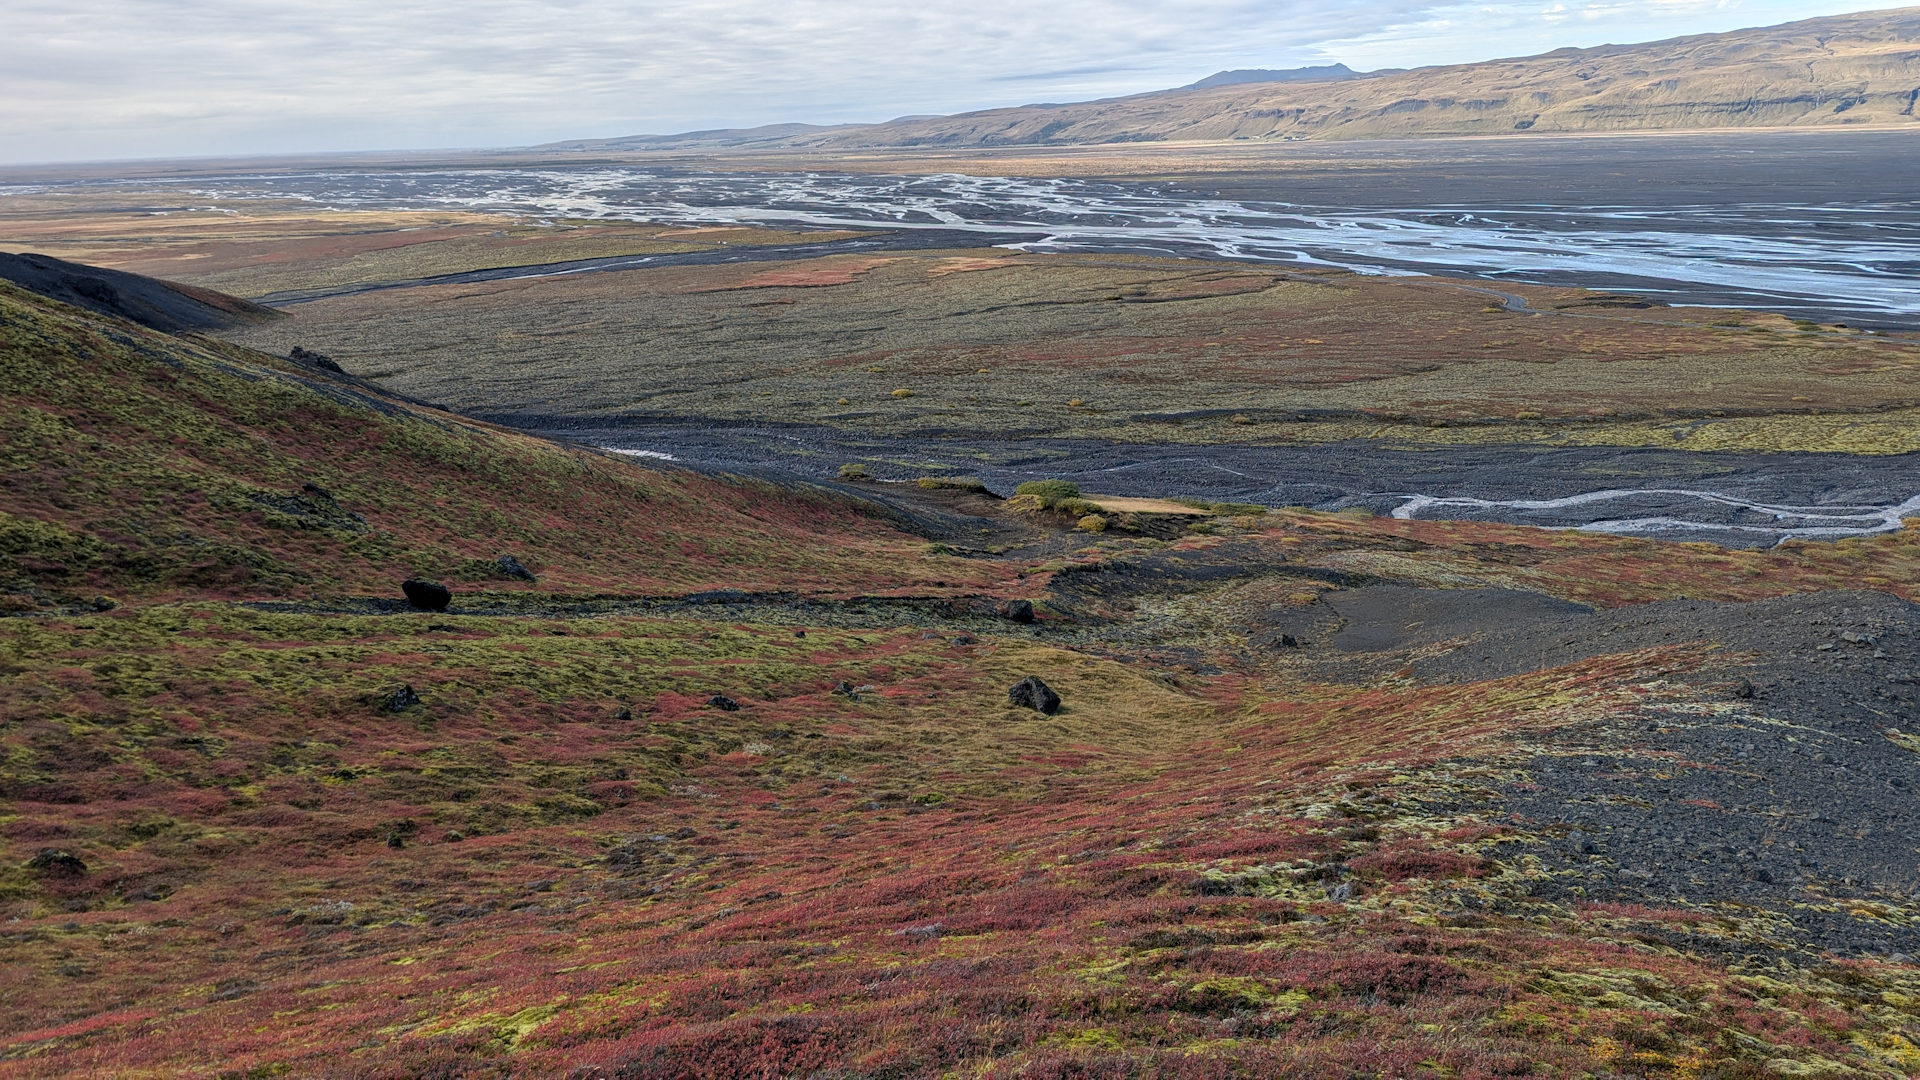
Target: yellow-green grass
<point x="1121" y="347"/>
<point x="140" y="464"/>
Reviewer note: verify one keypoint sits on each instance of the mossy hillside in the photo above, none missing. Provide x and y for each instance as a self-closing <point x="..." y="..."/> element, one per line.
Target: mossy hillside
<point x="229" y="845"/>
<point x="513" y="877"/>
<point x="1596" y="569"/>
<point x="144" y="464"/>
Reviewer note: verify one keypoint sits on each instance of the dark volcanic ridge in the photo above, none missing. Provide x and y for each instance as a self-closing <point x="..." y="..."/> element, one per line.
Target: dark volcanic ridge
<point x="159" y="305"/>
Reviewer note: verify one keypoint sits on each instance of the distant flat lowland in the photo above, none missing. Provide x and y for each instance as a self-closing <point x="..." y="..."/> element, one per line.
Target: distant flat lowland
<point x="1843" y="70"/>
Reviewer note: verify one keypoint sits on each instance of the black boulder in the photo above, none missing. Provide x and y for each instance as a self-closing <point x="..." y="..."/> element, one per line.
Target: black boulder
<point x="1031" y="693"/>
<point x="427" y="595"/>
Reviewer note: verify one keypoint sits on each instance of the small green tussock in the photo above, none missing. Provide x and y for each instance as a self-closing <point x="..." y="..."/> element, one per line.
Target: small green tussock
<point x="1224" y="509"/>
<point x="1049" y="492"/>
<point x="1056" y="495"/>
<point x="952" y="483"/>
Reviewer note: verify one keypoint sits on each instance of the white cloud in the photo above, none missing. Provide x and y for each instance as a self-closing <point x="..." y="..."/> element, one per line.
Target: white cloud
<point x="126" y="78"/>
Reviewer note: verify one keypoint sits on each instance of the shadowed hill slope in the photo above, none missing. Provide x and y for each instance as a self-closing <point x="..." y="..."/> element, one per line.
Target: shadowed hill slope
<point x="144" y="464"/>
<point x="155" y="304"/>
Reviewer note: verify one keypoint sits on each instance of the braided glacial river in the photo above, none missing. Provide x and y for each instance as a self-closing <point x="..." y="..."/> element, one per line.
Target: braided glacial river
<point x="1823" y="226"/>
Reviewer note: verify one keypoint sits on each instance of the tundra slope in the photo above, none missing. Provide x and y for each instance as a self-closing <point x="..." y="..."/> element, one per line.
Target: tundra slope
<point x="233" y="845"/>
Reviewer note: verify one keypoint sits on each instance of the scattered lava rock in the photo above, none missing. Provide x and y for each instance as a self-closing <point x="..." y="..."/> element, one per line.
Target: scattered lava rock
<point x="399" y="699"/>
<point x="724" y="703"/>
<point x="1020" y="611"/>
<point x="511" y="567"/>
<point x="1031" y="693"/>
<point x="427" y="595"/>
<point x="313" y="507"/>
<point x="56" y="863"/>
<point x="623" y="713"/>
<point x="310" y="358"/>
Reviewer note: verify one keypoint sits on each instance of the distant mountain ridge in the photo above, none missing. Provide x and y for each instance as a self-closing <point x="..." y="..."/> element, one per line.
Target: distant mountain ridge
<point x="718" y="139"/>
<point x="1842" y="70"/>
<point x="1322" y="73"/>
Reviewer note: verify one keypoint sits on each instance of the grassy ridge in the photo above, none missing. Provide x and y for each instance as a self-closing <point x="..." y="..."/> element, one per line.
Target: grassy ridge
<point x="140" y="464"/>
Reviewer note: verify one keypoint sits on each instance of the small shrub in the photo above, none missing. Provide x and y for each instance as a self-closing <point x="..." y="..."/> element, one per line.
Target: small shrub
<point x="853" y="470"/>
<point x="1050" y="493"/>
<point x="903" y="392"/>
<point x="1092" y="523"/>
<point x="1225" y="509"/>
<point x="954" y="483"/>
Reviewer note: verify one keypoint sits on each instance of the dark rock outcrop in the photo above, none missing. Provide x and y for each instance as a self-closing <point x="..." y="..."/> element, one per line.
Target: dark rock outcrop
<point x="56" y="863"/>
<point x="310" y="358"/>
<point x="427" y="595"/>
<point x="1032" y="693"/>
<point x="159" y="305"/>
<point x="724" y="703"/>
<point x="399" y="698"/>
<point x="313" y="507"/>
<point x="1020" y="611"/>
<point x="511" y="567"/>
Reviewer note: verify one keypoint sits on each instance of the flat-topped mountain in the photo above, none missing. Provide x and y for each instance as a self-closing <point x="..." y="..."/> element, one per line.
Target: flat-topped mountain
<point x="1842" y="70"/>
<point x="1319" y="73"/>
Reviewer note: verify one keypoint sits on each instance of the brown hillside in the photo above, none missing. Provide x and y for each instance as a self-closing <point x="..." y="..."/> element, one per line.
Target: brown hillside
<point x="1844" y="70"/>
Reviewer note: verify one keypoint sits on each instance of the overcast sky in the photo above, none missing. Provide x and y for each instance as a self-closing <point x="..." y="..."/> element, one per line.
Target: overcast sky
<point x="102" y="79"/>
